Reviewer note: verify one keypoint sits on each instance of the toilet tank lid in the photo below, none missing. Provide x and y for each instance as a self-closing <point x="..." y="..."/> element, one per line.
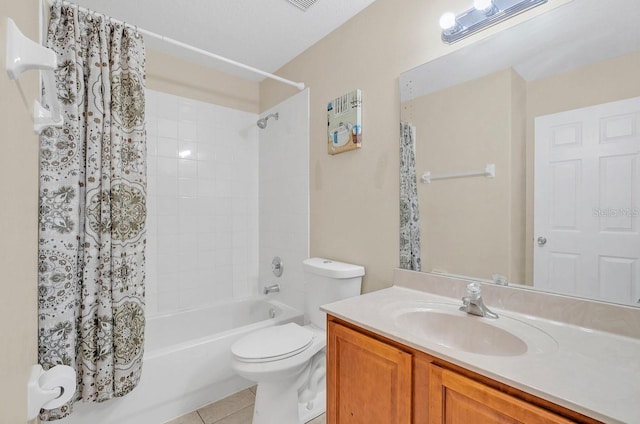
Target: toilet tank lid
<point x="332" y="269"/>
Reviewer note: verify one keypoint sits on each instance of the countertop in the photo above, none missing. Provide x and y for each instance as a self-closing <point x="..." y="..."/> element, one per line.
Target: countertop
<point x="592" y="372"/>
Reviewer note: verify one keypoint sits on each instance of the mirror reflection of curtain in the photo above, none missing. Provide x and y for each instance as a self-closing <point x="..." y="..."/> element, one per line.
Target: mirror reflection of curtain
<point x="409" y="215"/>
<point x="93" y="208"/>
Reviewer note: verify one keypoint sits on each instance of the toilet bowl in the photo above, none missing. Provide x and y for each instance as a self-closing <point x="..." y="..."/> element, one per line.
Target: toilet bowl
<point x="288" y="361"/>
<point x="281" y="374"/>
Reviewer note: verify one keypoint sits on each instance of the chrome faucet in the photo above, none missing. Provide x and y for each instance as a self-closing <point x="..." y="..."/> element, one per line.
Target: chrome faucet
<point x="473" y="303"/>
<point x="275" y="288"/>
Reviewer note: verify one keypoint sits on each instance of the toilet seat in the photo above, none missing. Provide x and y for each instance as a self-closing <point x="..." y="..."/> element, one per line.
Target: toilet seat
<point x="273" y="343"/>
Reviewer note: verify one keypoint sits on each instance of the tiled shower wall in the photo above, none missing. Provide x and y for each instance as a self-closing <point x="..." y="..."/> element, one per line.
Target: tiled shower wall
<point x="202" y="227"/>
<point x="284" y="196"/>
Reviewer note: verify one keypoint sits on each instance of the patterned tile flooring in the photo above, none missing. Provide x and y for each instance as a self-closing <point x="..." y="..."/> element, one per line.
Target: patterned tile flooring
<point x="235" y="409"/>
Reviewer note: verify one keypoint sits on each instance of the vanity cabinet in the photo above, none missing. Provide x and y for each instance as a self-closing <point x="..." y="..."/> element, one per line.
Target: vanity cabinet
<point x="370" y="380"/>
<point x="456" y="399"/>
<point x="374" y="380"/>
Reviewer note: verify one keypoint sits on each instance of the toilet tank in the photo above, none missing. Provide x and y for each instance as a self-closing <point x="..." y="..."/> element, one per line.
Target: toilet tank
<point x="328" y="281"/>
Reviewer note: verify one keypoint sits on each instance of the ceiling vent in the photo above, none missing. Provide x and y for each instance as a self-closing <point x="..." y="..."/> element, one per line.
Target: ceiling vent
<point x="302" y="4"/>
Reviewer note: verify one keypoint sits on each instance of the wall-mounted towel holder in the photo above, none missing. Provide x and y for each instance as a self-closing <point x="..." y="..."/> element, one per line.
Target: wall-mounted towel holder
<point x="49" y="389"/>
<point x="489" y="171"/>
<point x="23" y="55"/>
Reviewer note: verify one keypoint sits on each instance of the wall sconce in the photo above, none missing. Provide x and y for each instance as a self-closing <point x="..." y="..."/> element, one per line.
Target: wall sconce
<point x="483" y="14"/>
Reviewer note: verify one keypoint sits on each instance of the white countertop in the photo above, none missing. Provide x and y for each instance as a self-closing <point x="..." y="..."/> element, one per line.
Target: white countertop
<point x="591" y="372"/>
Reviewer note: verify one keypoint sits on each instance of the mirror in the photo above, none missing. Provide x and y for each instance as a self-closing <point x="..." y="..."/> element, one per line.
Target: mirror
<point x="553" y="105"/>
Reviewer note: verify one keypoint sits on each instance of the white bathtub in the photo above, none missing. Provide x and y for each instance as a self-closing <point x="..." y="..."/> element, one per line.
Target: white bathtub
<point x="187" y="362"/>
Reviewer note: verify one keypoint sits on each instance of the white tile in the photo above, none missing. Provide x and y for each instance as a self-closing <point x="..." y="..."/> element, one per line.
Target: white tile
<point x="239" y="188"/>
<point x="192" y="297"/>
<point x="223" y="257"/>
<point x="206" y="187"/>
<point x="166" y="205"/>
<point x="206" y="242"/>
<point x="168" y="301"/>
<point x="188" y="243"/>
<point x="187" y="168"/>
<point x="167" y="244"/>
<point x="187" y="224"/>
<point x="207" y="206"/>
<point x="187" y="130"/>
<point x="187" y="110"/>
<point x="224" y="282"/>
<point x="152" y="167"/>
<point x="167" y="106"/>
<point x="239" y="223"/>
<point x="188" y="150"/>
<point x="224" y="170"/>
<point x="188" y="279"/>
<point x="167" y="147"/>
<point x="167" y="167"/>
<point x="166" y="186"/>
<point x="223" y="223"/>
<point x="167" y="128"/>
<point x="223" y="240"/>
<point x="239" y="240"/>
<point x="188" y="187"/>
<point x="168" y="224"/>
<point x="223" y="188"/>
<point x="207" y="260"/>
<point x="205" y="133"/>
<point x="222" y="206"/>
<point x="188" y="207"/>
<point x="206" y="169"/>
<point x="204" y="113"/>
<point x="168" y="282"/>
<point x="206" y="224"/>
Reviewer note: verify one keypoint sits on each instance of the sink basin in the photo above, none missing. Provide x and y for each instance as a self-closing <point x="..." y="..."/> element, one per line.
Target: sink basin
<point x="444" y="325"/>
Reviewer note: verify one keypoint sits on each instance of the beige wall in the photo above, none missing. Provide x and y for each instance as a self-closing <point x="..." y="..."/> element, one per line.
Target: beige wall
<point x="354" y="195"/>
<point x="18" y="223"/>
<point x="467" y="224"/>
<point x="173" y="75"/>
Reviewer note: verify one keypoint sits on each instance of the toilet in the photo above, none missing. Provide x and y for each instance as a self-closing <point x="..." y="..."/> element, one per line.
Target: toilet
<point x="288" y="361"/>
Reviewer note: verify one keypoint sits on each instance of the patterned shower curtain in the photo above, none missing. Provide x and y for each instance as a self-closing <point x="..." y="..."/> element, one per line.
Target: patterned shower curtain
<point x="93" y="208"/>
<point x="409" y="216"/>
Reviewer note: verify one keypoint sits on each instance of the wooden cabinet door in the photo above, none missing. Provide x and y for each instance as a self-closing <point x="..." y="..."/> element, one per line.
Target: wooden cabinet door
<point x="455" y="399"/>
<point x="368" y="381"/>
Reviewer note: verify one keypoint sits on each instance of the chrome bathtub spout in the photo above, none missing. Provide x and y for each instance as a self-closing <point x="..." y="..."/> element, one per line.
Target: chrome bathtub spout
<point x="275" y="288"/>
<point x="473" y="303"/>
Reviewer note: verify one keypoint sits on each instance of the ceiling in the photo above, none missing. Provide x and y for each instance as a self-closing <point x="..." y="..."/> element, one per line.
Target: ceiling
<point x="265" y="34"/>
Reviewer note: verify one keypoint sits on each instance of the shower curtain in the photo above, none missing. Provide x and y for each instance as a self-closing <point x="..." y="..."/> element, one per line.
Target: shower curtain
<point x="409" y="216"/>
<point x="93" y="208"/>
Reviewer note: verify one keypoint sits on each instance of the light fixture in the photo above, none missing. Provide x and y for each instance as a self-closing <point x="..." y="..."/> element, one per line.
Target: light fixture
<point x="448" y="21"/>
<point x="484" y="14"/>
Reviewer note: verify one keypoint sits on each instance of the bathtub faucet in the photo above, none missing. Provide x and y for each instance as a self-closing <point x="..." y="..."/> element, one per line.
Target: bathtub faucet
<point x="272" y="289"/>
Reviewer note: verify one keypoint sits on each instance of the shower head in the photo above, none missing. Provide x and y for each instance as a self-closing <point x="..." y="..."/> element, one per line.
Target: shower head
<point x="262" y="123"/>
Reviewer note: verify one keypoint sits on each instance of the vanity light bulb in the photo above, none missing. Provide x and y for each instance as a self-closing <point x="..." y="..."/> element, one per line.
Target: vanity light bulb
<point x="448" y="21"/>
<point x="482" y="5"/>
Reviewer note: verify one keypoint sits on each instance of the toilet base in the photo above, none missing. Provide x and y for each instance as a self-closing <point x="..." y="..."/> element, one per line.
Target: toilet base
<point x="318" y="406"/>
<point x="276" y="403"/>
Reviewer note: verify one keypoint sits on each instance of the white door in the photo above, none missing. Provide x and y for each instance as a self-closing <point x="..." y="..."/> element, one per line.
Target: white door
<point x="587" y="202"/>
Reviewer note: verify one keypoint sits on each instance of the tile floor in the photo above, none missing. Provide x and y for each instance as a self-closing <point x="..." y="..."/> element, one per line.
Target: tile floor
<point x="235" y="409"/>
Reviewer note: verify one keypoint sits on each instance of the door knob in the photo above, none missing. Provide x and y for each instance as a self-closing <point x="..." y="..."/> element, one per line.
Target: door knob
<point x="542" y="241"/>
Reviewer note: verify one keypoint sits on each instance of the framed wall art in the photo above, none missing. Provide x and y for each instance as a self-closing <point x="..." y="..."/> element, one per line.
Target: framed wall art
<point x="344" y="123"/>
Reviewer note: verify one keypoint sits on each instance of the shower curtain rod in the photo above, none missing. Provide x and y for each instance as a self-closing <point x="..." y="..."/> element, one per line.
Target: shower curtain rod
<point x="298" y="85"/>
